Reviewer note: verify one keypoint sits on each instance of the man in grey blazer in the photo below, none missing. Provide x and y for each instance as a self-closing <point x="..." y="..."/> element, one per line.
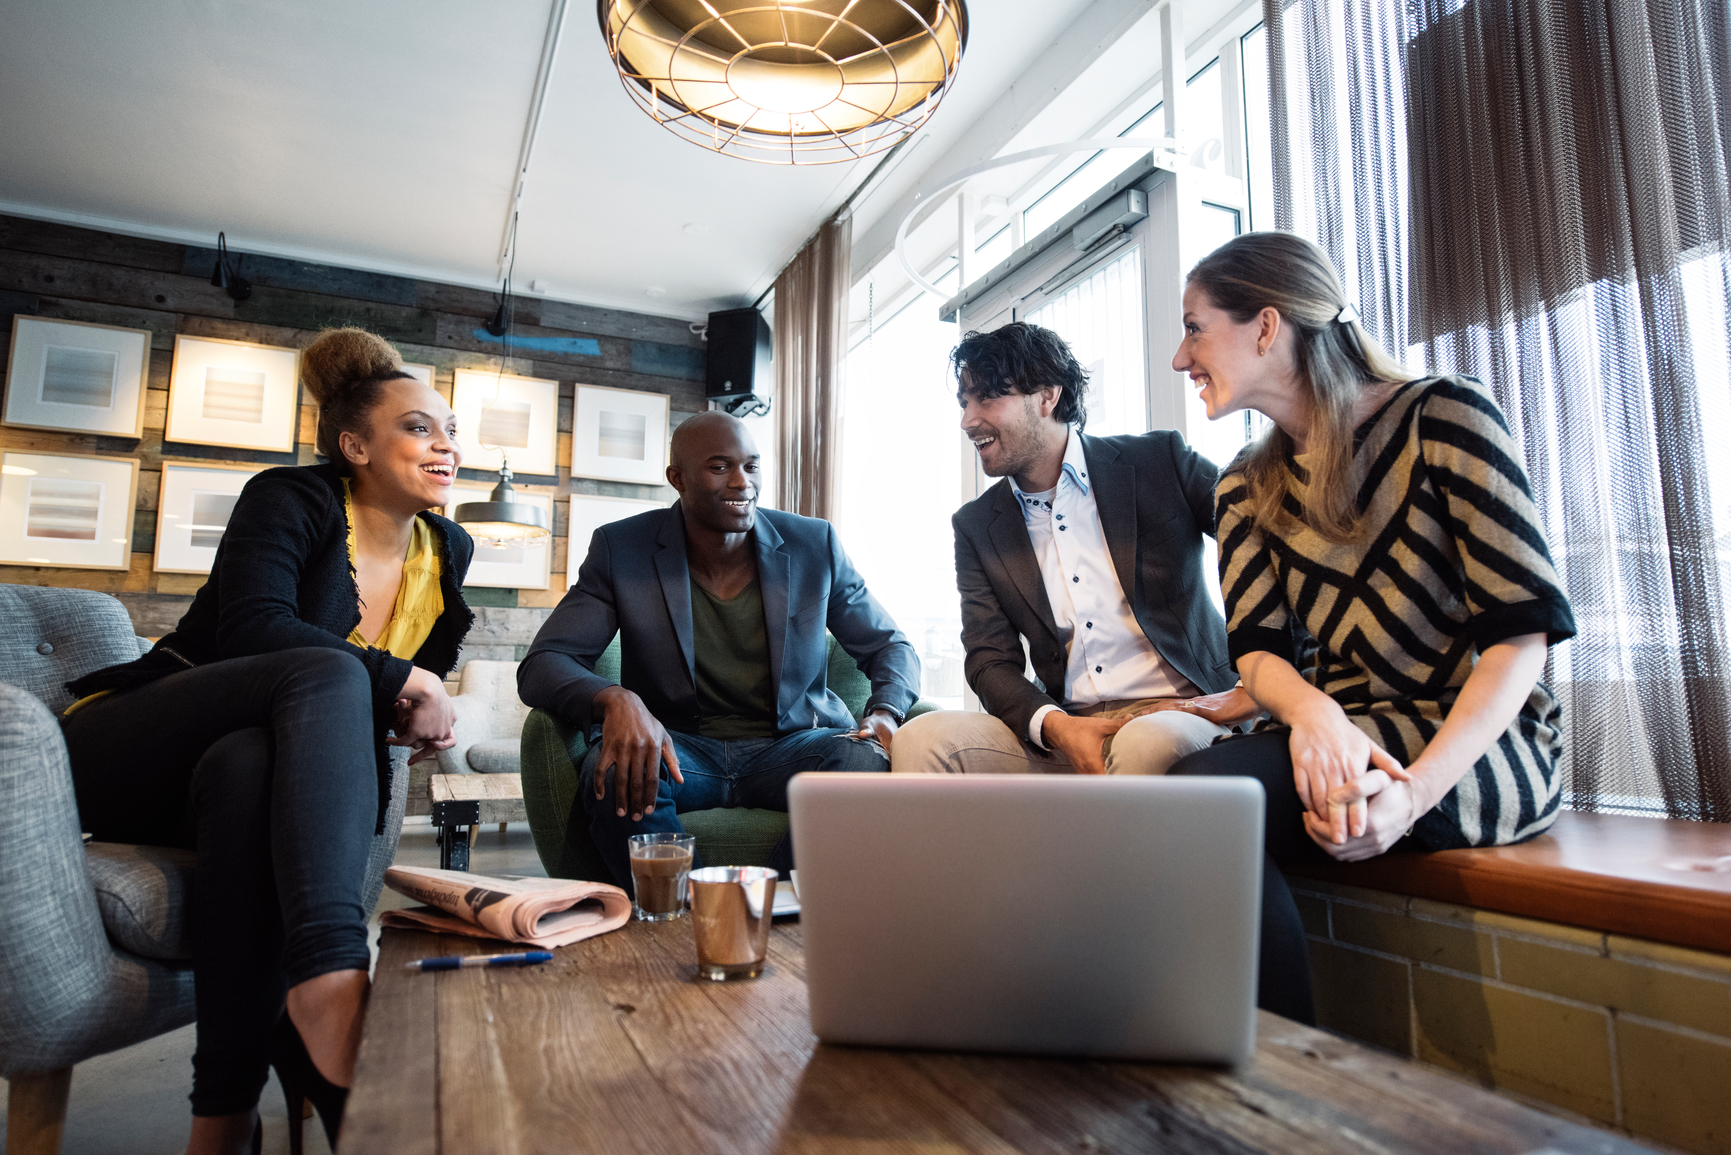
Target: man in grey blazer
<point x="1089" y="553"/>
<point x="722" y="610"/>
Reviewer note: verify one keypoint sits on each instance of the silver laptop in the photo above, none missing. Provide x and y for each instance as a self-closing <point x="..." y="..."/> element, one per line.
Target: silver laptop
<point x="1043" y="914"/>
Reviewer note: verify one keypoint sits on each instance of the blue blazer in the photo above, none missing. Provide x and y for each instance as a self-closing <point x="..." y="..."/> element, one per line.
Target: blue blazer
<point x="636" y="582"/>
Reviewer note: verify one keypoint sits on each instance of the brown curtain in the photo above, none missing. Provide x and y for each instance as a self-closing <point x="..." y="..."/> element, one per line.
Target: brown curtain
<point x="810" y="351"/>
<point x="1566" y="171"/>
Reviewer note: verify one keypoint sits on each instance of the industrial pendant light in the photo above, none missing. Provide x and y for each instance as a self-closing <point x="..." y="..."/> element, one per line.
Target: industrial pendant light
<point x="502" y="521"/>
<point x="787" y="81"/>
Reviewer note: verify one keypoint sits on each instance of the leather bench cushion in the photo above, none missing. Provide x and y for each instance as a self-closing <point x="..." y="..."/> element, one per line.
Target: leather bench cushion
<point x="496" y="756"/>
<point x="144" y="894"/>
<point x="1663" y="879"/>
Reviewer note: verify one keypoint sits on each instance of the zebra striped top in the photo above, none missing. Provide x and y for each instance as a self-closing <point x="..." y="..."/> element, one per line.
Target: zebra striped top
<point x="1451" y="560"/>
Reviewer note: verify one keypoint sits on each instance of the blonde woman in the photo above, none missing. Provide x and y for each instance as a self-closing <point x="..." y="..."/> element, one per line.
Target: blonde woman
<point x="1389" y="595"/>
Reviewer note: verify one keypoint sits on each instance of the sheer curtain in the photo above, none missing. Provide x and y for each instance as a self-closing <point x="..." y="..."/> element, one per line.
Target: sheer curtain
<point x="810" y="353"/>
<point x="1566" y="171"/>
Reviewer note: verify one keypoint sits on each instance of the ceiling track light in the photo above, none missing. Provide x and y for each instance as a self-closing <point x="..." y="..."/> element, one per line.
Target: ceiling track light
<point x="787" y="81"/>
<point x="224" y="275"/>
<point x="500" y="322"/>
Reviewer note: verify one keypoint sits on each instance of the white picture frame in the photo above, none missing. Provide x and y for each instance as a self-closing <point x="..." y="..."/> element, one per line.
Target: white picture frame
<point x="192" y="510"/>
<point x="620" y="435"/>
<point x="67" y="510"/>
<point x="588" y="513"/>
<point x="77" y="377"/>
<point x="524" y="567"/>
<point x="425" y="374"/>
<point x="233" y="394"/>
<point x="500" y="414"/>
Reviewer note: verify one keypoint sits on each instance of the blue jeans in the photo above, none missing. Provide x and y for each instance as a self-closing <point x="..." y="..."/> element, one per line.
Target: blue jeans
<point x="746" y="772"/>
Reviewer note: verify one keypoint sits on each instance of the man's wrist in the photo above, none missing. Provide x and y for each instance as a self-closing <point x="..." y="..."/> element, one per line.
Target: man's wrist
<point x="1037" y="725"/>
<point x="894" y="715"/>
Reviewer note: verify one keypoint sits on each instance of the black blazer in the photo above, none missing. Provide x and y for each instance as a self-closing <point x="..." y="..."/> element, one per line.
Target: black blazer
<point x="636" y="582"/>
<point x="282" y="580"/>
<point x="1156" y="499"/>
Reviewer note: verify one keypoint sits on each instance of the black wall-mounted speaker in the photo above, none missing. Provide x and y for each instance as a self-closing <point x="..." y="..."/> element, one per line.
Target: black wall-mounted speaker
<point x="739" y="359"/>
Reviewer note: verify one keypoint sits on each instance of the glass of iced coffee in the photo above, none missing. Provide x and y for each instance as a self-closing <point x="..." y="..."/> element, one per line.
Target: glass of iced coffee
<point x="660" y="867"/>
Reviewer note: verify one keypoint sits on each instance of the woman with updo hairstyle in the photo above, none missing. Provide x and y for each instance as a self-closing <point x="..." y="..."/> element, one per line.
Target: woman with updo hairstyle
<point x="255" y="734"/>
<point x="1389" y="594"/>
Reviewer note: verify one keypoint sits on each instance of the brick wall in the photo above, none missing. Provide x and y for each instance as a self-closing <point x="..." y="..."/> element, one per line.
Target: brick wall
<point x="59" y="272"/>
<point x="1628" y="1033"/>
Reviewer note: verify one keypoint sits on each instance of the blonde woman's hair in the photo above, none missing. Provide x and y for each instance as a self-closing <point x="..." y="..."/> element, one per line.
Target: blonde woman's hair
<point x="1336" y="359"/>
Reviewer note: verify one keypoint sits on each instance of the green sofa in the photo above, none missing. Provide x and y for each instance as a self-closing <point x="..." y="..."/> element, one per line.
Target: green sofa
<point x="553" y="751"/>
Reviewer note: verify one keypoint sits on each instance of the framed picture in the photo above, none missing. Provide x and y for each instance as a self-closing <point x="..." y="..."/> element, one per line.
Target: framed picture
<point x="192" y="511"/>
<point x="619" y="435"/>
<point x="524" y="567"/>
<point x="499" y="415"/>
<point x="421" y="373"/>
<point x="588" y="514"/>
<point x="75" y="376"/>
<point x="233" y="393"/>
<point x="64" y="509"/>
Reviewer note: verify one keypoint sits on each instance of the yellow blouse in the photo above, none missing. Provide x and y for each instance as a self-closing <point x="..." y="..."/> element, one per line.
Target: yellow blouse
<point x="419" y="599"/>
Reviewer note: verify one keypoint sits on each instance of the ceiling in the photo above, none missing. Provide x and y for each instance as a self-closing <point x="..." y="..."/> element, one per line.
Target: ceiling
<point x="384" y="135"/>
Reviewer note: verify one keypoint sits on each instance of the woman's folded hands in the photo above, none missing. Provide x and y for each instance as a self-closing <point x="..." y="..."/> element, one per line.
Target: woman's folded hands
<point x="425" y="716"/>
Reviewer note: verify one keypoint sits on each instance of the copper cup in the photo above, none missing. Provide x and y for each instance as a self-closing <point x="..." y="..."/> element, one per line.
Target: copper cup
<point x="731" y="910"/>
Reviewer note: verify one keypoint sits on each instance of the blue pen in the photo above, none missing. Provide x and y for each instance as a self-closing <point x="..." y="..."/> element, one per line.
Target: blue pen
<point x="454" y="962"/>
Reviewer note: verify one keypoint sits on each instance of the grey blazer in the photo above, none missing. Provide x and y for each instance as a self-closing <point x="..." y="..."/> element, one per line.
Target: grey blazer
<point x="1156" y="499"/>
<point x="636" y="582"/>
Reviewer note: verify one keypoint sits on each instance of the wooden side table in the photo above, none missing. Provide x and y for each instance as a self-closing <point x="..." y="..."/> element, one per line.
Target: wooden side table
<point x="464" y="801"/>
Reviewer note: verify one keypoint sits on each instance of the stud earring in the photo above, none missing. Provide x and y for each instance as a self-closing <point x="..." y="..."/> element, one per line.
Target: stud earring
<point x="1261" y="352"/>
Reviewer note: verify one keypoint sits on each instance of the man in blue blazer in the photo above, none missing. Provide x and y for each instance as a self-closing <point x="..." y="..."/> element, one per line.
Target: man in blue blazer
<point x="722" y="610"/>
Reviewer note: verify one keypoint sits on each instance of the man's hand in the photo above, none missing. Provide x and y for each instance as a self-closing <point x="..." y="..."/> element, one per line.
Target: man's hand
<point x="1227" y="709"/>
<point x="634" y="744"/>
<point x="1080" y="739"/>
<point x="879" y="726"/>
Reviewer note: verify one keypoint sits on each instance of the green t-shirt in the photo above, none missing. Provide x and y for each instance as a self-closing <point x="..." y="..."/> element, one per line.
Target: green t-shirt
<point x="735" y="696"/>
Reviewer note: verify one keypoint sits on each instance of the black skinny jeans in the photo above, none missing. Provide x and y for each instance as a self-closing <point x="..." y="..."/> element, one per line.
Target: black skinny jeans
<point x="265" y="767"/>
<point x="1283" y="973"/>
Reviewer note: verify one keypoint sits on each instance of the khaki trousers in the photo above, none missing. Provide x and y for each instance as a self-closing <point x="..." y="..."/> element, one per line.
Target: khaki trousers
<point x="965" y="742"/>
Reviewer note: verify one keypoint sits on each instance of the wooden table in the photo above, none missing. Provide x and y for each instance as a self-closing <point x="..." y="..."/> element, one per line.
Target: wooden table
<point x="464" y="802"/>
<point x="615" y="1048"/>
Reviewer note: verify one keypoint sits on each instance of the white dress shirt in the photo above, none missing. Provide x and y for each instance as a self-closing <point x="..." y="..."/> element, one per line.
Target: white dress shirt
<point x="1110" y="658"/>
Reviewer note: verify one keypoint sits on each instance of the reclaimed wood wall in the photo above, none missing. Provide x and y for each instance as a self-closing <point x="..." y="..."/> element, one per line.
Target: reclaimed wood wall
<point x="56" y="271"/>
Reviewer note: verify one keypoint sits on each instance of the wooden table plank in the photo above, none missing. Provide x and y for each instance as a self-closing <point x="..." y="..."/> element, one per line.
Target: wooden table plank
<point x="394" y="1104"/>
<point x="617" y="1047"/>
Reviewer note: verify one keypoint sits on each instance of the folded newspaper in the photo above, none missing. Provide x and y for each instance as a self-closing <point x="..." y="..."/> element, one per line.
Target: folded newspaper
<point x="543" y="912"/>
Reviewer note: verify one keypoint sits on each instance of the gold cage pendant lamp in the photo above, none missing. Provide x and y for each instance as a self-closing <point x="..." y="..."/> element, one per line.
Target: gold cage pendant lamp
<point x="787" y="81"/>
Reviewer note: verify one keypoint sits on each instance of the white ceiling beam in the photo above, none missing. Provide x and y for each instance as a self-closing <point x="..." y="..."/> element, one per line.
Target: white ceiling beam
<point x="1054" y="70"/>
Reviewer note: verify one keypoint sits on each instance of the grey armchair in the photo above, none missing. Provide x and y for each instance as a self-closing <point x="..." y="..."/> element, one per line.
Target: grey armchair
<point x="95" y="950"/>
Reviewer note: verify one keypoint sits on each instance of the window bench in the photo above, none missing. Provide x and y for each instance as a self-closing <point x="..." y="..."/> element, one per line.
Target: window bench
<point x="1588" y="970"/>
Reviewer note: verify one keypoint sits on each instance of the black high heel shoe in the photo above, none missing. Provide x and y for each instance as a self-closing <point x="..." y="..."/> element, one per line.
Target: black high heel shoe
<point x="301" y="1081"/>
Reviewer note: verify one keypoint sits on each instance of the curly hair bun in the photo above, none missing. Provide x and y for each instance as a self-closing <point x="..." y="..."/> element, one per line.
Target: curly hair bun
<point x="341" y="359"/>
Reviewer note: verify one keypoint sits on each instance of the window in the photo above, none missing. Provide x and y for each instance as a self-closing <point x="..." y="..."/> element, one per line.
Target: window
<point x="1100" y="318"/>
<point x="900" y="426"/>
<point x="900" y="474"/>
